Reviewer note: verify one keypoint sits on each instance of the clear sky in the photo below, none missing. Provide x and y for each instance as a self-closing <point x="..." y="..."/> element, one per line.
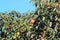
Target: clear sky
<point x="18" y="5"/>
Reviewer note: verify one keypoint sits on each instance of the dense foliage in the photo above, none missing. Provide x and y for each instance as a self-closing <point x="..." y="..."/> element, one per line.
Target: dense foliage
<point x="43" y="24"/>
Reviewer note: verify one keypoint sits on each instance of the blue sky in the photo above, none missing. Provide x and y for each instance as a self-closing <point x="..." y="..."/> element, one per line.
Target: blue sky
<point x="18" y="5"/>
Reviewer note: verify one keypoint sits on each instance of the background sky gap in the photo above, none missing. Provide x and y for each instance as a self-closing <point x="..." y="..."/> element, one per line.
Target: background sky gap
<point x="18" y="5"/>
